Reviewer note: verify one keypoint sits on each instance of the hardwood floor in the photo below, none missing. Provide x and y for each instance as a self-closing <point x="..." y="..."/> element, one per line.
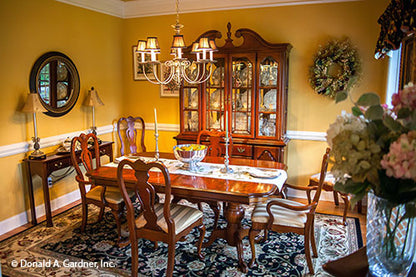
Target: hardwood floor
<point x="325" y="207"/>
<point x="40" y="219"/>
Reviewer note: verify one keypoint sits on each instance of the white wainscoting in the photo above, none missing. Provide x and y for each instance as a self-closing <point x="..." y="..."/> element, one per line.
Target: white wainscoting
<point x="23" y="147"/>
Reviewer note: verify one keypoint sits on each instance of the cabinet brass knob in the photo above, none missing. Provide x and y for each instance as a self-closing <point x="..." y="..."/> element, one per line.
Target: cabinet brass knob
<point x="241" y="150"/>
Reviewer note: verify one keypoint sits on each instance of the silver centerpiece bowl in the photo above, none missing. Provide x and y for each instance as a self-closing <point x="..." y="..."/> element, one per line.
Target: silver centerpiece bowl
<point x="190" y="158"/>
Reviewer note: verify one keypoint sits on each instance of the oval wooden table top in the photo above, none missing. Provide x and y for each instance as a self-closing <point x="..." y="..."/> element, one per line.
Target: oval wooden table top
<point x="199" y="187"/>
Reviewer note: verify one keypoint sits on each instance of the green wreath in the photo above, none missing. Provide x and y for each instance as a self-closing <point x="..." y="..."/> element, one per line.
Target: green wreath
<point x="335" y="68"/>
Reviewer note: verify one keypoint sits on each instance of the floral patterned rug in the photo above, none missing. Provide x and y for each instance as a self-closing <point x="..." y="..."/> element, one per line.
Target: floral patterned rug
<point x="64" y="251"/>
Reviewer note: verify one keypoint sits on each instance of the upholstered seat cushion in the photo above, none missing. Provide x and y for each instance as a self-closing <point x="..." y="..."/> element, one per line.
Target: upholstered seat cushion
<point x="182" y="215"/>
<point x="282" y="216"/>
<point x="112" y="194"/>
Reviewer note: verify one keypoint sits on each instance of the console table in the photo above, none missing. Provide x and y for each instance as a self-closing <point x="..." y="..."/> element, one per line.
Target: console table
<point x="43" y="168"/>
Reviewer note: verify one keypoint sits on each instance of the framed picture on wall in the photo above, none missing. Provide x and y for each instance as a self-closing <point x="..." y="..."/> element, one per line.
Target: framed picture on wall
<point x="408" y="61"/>
<point x="171" y="89"/>
<point x="138" y="74"/>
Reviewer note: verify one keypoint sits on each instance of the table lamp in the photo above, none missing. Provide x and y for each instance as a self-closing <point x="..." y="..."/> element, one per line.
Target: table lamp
<point x="93" y="100"/>
<point x="33" y="106"/>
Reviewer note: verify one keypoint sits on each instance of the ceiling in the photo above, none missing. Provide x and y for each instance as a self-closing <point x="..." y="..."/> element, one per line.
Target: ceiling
<point x="143" y="8"/>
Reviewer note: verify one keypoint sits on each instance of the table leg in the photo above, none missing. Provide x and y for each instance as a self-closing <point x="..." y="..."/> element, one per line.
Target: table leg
<point x="47" y="200"/>
<point x="31" y="197"/>
<point x="233" y="233"/>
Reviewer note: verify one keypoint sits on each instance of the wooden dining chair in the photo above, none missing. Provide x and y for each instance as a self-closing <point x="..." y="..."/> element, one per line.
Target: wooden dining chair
<point x="283" y="216"/>
<point x="100" y="196"/>
<point x="213" y="139"/>
<point x="130" y="134"/>
<point x="166" y="222"/>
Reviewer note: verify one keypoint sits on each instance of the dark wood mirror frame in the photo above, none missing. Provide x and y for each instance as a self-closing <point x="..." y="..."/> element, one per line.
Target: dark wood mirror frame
<point x="59" y="91"/>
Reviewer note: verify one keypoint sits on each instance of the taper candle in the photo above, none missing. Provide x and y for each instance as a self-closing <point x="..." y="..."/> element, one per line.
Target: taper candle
<point x="155" y="122"/>
<point x="226" y="124"/>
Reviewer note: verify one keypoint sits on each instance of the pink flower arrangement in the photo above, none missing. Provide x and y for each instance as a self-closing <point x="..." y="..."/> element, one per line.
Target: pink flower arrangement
<point x="400" y="162"/>
<point x="374" y="148"/>
<point x="405" y="99"/>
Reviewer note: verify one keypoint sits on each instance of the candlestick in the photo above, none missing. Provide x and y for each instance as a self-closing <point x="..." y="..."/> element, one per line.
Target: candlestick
<point x="226" y="168"/>
<point x="156" y="138"/>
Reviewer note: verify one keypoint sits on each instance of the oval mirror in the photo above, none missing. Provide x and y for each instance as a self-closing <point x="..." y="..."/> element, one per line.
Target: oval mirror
<point x="55" y="78"/>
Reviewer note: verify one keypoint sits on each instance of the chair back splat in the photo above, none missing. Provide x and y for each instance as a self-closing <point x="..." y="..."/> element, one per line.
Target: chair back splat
<point x="214" y="137"/>
<point x="131" y="135"/>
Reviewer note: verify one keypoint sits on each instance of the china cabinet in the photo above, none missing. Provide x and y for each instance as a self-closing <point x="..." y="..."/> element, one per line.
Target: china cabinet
<point x="249" y="86"/>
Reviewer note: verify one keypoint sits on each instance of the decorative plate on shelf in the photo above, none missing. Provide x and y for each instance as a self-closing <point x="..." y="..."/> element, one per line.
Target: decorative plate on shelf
<point x="244" y="76"/>
<point x="269" y="100"/>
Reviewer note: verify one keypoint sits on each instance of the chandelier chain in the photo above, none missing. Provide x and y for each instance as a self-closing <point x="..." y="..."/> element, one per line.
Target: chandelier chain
<point x="177" y="12"/>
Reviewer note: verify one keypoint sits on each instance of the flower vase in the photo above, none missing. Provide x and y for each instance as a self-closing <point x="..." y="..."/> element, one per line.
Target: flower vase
<point x="391" y="237"/>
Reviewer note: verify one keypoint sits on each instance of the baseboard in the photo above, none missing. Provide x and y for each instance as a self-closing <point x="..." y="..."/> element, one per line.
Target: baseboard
<point x="24" y="217"/>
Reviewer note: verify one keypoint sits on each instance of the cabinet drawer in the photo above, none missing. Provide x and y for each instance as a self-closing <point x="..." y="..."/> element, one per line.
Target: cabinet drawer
<point x="59" y="164"/>
<point x="242" y="150"/>
<point x="268" y="153"/>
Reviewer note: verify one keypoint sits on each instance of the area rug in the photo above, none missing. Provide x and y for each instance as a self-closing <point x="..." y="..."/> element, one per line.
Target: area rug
<point x="64" y="251"/>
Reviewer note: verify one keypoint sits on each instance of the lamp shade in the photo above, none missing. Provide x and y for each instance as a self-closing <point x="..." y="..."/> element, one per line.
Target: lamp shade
<point x="93" y="100"/>
<point x="178" y="41"/>
<point x="141" y="46"/>
<point x="204" y="44"/>
<point x="152" y="44"/>
<point x="33" y="104"/>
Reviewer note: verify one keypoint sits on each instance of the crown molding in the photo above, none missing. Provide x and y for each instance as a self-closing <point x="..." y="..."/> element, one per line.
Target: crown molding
<point x="144" y="8"/>
<point x="110" y="7"/>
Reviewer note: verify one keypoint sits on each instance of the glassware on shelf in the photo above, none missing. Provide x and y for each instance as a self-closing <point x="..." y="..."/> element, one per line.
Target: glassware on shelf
<point x="268" y="72"/>
<point x="241" y="102"/>
<point x="241" y="123"/>
<point x="191" y="121"/>
<point x="267" y="125"/>
<point x="264" y="74"/>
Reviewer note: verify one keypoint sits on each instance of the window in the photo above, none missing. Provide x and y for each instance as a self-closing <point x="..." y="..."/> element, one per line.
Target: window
<point x="393" y="77"/>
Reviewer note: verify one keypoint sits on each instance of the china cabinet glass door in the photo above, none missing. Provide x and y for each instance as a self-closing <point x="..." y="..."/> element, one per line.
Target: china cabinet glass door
<point x="215" y="97"/>
<point x="191" y="105"/>
<point x="241" y="97"/>
<point x="268" y="91"/>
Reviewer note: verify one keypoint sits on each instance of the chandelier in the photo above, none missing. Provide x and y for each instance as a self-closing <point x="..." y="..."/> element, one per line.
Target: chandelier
<point x="179" y="68"/>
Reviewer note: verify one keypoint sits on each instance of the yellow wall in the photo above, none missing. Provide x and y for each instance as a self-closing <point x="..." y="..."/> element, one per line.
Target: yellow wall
<point x="100" y="46"/>
<point x="92" y="40"/>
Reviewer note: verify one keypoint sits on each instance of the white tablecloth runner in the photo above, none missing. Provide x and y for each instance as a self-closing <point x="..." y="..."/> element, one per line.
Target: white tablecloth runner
<point x="244" y="173"/>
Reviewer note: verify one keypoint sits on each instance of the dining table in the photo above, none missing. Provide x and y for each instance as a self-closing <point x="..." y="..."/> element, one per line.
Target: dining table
<point x="236" y="190"/>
